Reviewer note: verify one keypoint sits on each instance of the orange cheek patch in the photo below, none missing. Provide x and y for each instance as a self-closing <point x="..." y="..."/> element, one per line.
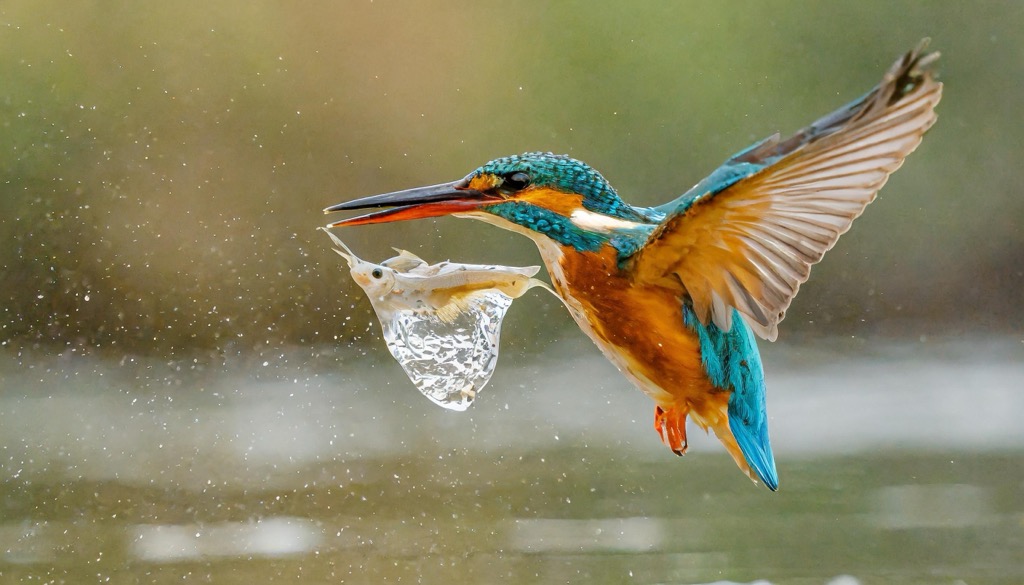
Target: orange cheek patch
<point x="561" y="203"/>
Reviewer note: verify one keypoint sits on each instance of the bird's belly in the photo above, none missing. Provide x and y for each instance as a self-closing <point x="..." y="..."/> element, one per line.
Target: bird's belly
<point x="641" y="331"/>
<point x="639" y="328"/>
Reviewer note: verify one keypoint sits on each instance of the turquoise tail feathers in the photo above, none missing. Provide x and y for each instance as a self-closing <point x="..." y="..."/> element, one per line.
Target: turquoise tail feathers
<point x="731" y="360"/>
<point x="756" y="446"/>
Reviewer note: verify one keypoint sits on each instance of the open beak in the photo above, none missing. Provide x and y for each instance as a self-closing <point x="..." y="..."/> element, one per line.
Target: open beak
<point x="432" y="201"/>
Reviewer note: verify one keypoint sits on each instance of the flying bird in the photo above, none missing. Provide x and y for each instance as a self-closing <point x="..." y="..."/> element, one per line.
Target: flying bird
<point x="676" y="295"/>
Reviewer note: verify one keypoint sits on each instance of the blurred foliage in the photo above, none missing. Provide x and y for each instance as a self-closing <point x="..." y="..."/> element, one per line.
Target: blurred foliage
<point x="164" y="165"/>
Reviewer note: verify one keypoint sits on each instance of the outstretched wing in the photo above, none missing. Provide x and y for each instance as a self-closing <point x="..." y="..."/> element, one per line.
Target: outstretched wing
<point x="746" y="237"/>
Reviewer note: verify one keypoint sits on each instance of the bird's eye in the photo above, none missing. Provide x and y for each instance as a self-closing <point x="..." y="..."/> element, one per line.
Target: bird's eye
<point x="377" y="273"/>
<point x="516" y="182"/>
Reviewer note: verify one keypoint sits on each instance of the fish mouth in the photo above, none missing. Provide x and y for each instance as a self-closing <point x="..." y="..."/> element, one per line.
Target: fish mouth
<point x="416" y="203"/>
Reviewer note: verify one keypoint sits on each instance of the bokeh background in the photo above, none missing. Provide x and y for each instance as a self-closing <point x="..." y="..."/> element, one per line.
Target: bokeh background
<point x="164" y="167"/>
<point x="182" y="354"/>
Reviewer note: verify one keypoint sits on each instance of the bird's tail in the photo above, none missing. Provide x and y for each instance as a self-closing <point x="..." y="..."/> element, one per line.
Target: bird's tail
<point x="746" y="440"/>
<point x="756" y="449"/>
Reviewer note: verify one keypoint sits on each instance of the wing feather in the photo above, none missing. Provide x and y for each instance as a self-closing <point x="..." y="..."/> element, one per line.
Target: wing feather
<point x="751" y="244"/>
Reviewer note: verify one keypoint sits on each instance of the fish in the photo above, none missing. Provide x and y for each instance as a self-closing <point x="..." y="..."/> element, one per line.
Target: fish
<point x="441" y="322"/>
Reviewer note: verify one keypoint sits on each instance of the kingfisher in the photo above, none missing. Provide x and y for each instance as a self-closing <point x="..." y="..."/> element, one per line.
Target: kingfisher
<point x="676" y="295"/>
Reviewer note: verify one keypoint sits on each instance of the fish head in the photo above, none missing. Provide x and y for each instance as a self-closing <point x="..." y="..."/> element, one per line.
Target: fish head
<point x="376" y="280"/>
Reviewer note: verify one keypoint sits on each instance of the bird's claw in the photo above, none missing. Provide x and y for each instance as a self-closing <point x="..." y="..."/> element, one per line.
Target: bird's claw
<point x="671" y="427"/>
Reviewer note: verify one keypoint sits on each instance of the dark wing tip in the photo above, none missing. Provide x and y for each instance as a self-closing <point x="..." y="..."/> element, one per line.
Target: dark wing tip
<point x="912" y="71"/>
<point x="906" y="75"/>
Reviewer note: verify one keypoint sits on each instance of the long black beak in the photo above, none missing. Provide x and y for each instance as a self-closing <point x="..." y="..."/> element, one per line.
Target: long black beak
<point x="432" y="201"/>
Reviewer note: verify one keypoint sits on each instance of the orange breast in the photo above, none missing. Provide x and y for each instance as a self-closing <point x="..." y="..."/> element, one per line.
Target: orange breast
<point x="640" y="328"/>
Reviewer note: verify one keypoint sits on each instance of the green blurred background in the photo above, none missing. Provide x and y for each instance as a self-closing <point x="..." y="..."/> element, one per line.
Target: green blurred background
<point x="164" y="165"/>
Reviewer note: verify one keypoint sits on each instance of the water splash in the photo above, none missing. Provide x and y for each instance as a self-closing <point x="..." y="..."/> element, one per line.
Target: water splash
<point x="442" y="322"/>
<point x="449" y="361"/>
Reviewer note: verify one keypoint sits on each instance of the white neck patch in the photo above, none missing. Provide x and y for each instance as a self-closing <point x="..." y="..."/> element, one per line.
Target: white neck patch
<point x="597" y="222"/>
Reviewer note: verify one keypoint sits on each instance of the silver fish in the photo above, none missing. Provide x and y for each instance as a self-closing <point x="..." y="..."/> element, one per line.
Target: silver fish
<point x="442" y="322"/>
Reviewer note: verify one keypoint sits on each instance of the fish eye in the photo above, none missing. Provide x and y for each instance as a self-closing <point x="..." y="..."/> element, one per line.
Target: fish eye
<point x="515" y="181"/>
<point x="377" y="273"/>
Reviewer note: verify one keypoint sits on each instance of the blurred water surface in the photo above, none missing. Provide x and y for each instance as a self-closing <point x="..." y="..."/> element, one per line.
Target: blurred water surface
<point x="328" y="466"/>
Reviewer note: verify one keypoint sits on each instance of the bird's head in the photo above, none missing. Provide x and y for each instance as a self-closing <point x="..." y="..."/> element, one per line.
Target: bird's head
<point x="533" y="193"/>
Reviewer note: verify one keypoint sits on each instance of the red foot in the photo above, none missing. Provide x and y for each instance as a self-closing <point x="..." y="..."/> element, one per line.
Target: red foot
<point x="671" y="427"/>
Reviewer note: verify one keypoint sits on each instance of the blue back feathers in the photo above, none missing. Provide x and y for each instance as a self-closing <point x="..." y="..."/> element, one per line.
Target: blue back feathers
<point x="731" y="360"/>
<point x="771" y="150"/>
